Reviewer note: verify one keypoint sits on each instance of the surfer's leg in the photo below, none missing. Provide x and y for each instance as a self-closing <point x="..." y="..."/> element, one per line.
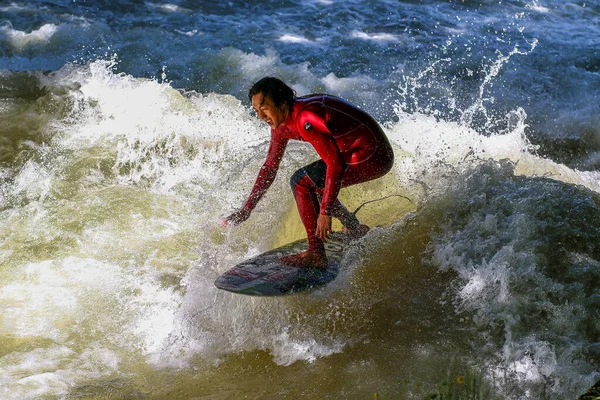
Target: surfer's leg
<point x="339" y="211"/>
<point x="305" y="192"/>
<point x="316" y="172"/>
<point x="307" y="185"/>
<point x="308" y="208"/>
<point x="369" y="169"/>
<point x="351" y="224"/>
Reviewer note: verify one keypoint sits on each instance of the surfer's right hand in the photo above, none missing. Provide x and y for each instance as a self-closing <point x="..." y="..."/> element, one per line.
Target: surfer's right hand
<point x="236" y="218"/>
<point x="323" y="226"/>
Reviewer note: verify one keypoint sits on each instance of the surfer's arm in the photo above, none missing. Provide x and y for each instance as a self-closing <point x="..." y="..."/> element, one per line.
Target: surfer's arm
<point x="314" y="131"/>
<point x="328" y="150"/>
<point x="265" y="178"/>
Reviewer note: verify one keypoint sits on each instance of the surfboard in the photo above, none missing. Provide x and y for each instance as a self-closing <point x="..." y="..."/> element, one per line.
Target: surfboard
<point x="264" y="275"/>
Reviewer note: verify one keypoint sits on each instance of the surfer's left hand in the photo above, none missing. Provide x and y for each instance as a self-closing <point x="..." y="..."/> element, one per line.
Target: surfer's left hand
<point x="236" y="218"/>
<point x="323" y="226"/>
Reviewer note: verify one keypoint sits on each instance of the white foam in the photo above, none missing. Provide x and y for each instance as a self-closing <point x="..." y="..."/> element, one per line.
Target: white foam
<point x="32" y="182"/>
<point x="110" y="307"/>
<point x="34" y="374"/>
<point x="53" y="292"/>
<point x="169" y="8"/>
<point x="376" y="37"/>
<point x="535" y="6"/>
<point x="287" y="350"/>
<point x="193" y="32"/>
<point x="14" y="7"/>
<point x="20" y="40"/>
<point x="289" y="38"/>
<point x="437" y="145"/>
<point x="53" y="370"/>
<point x="159" y="135"/>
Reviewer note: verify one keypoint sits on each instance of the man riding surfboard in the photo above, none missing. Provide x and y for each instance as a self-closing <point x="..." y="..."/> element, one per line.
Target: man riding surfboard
<point x="353" y="149"/>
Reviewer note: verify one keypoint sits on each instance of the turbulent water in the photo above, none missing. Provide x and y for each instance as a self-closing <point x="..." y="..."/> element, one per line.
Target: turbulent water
<point x="125" y="136"/>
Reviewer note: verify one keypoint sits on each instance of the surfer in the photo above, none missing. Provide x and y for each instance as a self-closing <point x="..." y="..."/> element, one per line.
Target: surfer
<point x="352" y="147"/>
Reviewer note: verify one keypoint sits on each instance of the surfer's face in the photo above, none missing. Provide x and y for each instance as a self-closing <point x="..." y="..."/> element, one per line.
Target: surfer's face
<point x="267" y="110"/>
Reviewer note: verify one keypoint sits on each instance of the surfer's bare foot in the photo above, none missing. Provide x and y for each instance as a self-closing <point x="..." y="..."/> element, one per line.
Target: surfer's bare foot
<point x="306" y="259"/>
<point x="358" y="232"/>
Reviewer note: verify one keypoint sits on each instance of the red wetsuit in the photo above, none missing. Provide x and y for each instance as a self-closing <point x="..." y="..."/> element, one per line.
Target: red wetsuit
<point x="352" y="147"/>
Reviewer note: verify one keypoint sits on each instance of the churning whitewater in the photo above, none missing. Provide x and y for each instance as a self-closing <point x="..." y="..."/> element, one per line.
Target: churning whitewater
<point x="126" y="136"/>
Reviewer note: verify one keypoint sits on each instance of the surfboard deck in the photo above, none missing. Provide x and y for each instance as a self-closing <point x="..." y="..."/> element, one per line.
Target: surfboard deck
<point x="264" y="275"/>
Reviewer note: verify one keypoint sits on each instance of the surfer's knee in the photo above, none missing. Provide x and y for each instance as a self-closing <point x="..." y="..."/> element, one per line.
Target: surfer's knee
<point x="311" y="177"/>
<point x="296" y="178"/>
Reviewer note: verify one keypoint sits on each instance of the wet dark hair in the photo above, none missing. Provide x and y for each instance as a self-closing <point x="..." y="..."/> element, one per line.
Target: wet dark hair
<point x="275" y="89"/>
